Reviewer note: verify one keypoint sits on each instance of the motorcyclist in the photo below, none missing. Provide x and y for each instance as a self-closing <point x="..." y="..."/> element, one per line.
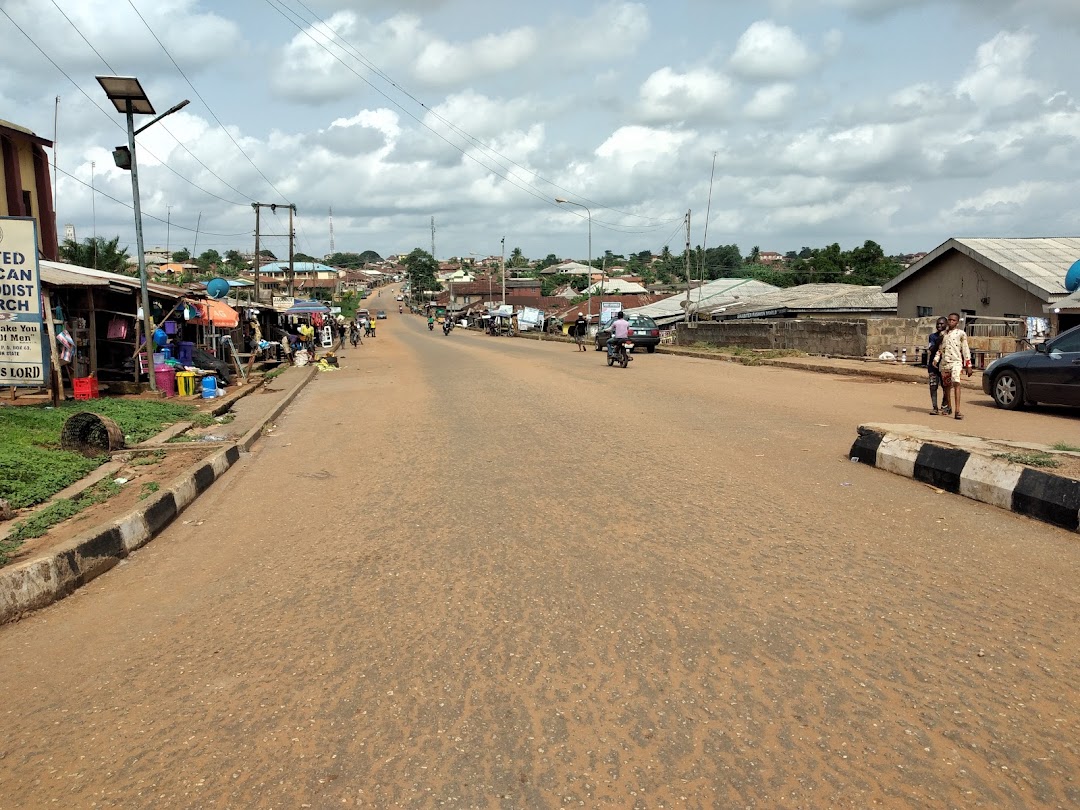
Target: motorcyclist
<point x="620" y="332"/>
<point x="430" y="322"/>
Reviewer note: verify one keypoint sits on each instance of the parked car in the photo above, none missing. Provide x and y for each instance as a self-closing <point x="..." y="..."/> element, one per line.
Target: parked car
<point x="380" y="315"/>
<point x="1049" y="373"/>
<point x="644" y="333"/>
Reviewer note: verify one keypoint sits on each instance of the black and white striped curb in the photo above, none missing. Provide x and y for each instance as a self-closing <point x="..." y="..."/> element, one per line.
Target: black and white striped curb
<point x="39" y="582"/>
<point x="966" y="465"/>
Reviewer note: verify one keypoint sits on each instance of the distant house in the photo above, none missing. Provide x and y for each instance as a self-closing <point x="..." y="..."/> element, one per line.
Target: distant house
<point x="769" y="257"/>
<point x="1001" y="278"/>
<point x="828" y="301"/>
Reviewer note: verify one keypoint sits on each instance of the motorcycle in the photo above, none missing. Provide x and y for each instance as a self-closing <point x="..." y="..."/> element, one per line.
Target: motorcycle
<point x="446" y="327"/>
<point x="431" y="326"/>
<point x="619" y="352"/>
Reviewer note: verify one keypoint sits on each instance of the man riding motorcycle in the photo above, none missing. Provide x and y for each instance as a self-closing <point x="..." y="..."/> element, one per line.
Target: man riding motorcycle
<point x="620" y="332"/>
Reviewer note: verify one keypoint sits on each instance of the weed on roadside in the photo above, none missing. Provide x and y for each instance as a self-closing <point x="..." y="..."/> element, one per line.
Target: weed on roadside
<point x="1066" y="447"/>
<point x="148" y="489"/>
<point x="32" y="465"/>
<point x="151" y="458"/>
<point x="54" y="513"/>
<point x="1035" y="458"/>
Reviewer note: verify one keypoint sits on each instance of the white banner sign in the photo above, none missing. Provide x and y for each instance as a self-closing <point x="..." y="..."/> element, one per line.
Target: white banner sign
<point x="23" y="352"/>
<point x="608" y="311"/>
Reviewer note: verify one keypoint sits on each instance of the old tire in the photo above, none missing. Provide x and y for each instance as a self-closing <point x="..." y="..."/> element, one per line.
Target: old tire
<point x="1008" y="390"/>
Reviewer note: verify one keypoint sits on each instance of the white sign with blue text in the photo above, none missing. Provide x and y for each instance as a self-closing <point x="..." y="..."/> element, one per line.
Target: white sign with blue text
<point x="23" y="355"/>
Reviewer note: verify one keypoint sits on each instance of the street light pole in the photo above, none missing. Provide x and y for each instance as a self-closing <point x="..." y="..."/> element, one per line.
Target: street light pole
<point x="128" y="97"/>
<point x="502" y="270"/>
<point x="588" y="285"/>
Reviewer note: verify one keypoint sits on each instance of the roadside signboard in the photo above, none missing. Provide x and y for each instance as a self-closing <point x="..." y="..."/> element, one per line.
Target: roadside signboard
<point x="608" y="311"/>
<point x="23" y="351"/>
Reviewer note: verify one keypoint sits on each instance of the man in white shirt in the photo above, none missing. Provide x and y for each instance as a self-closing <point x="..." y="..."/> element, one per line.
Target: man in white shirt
<point x="954" y="358"/>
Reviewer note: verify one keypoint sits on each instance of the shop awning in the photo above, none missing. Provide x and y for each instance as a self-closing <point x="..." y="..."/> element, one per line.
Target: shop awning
<point x="216" y="313"/>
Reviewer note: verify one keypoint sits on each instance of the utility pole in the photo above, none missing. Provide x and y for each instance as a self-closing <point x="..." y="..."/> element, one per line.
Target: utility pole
<point x="168" y="231"/>
<point x="687" y="267"/>
<point x="195" y="250"/>
<point x="258" y="210"/>
<point x="258" y="206"/>
<point x="292" y="235"/>
<point x="502" y="270"/>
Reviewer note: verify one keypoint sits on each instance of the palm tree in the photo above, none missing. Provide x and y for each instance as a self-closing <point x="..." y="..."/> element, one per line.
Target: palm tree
<point x="96" y="252"/>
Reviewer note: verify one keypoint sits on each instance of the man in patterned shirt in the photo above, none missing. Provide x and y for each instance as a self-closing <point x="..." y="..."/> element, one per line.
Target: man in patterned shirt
<point x="954" y="358"/>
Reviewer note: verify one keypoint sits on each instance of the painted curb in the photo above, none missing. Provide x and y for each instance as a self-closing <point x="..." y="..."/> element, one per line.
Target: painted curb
<point x="977" y="475"/>
<point x="37" y="583"/>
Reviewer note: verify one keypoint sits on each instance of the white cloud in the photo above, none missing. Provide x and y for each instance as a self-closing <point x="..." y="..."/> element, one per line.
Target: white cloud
<point x="997" y="78"/>
<point x="770" y="102"/>
<point x="770" y="52"/>
<point x="667" y="96"/>
<point x="441" y="63"/>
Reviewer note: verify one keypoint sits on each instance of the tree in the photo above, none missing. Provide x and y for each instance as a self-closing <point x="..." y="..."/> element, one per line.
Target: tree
<point x="549" y="261"/>
<point x="181" y="255"/>
<point x="420" y="269"/>
<point x="208" y="261"/>
<point x="234" y="264"/>
<point x="303" y="257"/>
<point x="517" y="258"/>
<point x="96" y="252"/>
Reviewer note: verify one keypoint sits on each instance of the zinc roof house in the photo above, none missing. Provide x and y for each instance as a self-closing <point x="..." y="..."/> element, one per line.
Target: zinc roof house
<point x="704" y="298"/>
<point x="998" y="278"/>
<point x="832" y="301"/>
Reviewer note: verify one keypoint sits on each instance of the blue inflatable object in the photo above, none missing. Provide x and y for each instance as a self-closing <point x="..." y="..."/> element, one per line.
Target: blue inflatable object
<point x="1072" y="278"/>
<point x="160" y="338"/>
<point x="217" y="288"/>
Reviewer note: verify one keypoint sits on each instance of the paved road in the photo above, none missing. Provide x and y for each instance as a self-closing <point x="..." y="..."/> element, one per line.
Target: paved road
<point x="479" y="572"/>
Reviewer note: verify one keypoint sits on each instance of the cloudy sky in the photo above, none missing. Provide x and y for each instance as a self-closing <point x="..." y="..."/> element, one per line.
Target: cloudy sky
<point x="901" y="121"/>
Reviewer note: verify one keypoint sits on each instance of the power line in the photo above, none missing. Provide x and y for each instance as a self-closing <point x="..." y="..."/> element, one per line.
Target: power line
<point x="113" y="120"/>
<point x="355" y="52"/>
<point x="145" y="215"/>
<point x="208" y="108"/>
<point x="506" y="177"/>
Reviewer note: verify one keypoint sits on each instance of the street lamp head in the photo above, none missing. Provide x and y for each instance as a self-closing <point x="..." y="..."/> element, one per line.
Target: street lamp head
<point x="560" y="200"/>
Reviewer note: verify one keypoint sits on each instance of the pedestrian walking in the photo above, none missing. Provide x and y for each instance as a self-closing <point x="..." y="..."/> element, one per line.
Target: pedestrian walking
<point x="581" y="328"/>
<point x="934" y="374"/>
<point x="954" y="359"/>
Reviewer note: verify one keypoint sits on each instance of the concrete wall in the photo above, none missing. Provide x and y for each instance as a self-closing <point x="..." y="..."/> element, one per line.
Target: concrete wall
<point x="957" y="282"/>
<point x="836" y="338"/>
<point x="867" y="337"/>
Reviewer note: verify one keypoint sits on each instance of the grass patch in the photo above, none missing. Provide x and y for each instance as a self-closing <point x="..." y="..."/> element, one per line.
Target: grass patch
<point x="148" y="489"/>
<point x="748" y="357"/>
<point x="1066" y="447"/>
<point x="33" y="468"/>
<point x="1036" y="458"/>
<point x="150" y="458"/>
<point x="271" y="374"/>
<point x="52" y="514"/>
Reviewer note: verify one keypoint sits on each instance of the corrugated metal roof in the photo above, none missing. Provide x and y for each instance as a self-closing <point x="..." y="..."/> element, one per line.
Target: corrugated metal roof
<point x="1036" y="264"/>
<point x="705" y="298"/>
<point x="618" y="287"/>
<point x="813" y="298"/>
<point x="156" y="287"/>
<point x="58" y="276"/>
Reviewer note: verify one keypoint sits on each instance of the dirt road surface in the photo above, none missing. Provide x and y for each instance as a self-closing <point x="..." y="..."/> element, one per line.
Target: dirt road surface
<point x="468" y="571"/>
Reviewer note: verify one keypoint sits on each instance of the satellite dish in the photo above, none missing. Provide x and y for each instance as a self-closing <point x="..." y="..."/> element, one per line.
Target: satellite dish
<point x="1072" y="278"/>
<point x="217" y="288"/>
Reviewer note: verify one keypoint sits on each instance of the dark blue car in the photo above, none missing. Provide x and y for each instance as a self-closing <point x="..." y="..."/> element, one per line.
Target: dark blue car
<point x="1049" y="373"/>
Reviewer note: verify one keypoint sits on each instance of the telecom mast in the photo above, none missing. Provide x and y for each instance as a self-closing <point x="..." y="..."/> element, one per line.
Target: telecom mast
<point x="331" y="229"/>
<point x="433" y="237"/>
